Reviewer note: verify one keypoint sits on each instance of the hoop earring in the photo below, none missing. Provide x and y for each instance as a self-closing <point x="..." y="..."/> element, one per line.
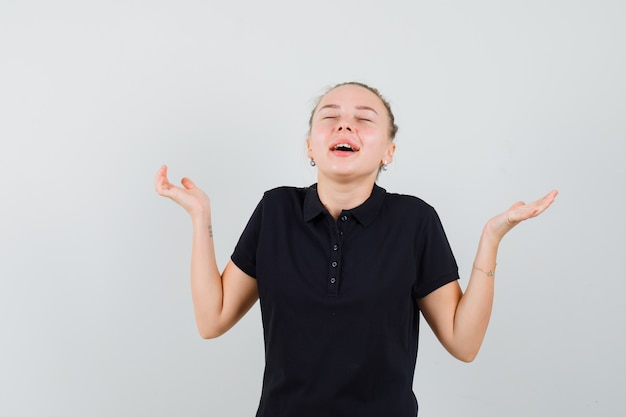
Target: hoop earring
<point x="312" y="162"/>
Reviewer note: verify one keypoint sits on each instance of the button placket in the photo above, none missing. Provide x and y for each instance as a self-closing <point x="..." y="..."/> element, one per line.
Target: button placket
<point x="333" y="275"/>
<point x="335" y="255"/>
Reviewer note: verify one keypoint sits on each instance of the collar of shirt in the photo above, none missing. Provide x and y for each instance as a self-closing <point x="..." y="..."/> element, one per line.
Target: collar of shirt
<point x="364" y="214"/>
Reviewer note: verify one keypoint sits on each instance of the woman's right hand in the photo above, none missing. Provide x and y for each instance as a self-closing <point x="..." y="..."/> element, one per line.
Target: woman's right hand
<point x="189" y="197"/>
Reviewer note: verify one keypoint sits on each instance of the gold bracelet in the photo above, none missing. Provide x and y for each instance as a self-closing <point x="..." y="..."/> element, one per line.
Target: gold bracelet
<point x="490" y="273"/>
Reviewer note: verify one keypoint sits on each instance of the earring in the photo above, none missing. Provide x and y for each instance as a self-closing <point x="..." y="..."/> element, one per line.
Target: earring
<point x="384" y="167"/>
<point x="312" y="162"/>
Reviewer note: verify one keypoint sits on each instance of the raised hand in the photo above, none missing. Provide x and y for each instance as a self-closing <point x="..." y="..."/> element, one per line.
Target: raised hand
<point x="190" y="197"/>
<point x="517" y="213"/>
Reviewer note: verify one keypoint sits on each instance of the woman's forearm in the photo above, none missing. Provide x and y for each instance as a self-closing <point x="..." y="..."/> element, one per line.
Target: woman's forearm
<point x="206" y="280"/>
<point x="474" y="309"/>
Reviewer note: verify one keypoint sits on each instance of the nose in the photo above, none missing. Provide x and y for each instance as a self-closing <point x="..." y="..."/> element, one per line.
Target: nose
<point x="344" y="126"/>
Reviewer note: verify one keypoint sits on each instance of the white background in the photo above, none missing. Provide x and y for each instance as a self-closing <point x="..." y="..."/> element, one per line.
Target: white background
<point x="496" y="101"/>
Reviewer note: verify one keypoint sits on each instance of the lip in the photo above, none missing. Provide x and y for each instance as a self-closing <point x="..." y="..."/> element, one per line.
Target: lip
<point x="352" y="144"/>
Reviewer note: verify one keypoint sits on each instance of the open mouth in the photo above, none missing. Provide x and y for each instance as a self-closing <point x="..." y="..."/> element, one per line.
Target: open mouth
<point x="344" y="147"/>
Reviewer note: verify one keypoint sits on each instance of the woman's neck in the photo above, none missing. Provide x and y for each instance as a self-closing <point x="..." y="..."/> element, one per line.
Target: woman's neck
<point x="343" y="196"/>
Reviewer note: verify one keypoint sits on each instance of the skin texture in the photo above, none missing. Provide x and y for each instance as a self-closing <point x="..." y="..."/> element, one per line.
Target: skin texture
<point x="348" y="114"/>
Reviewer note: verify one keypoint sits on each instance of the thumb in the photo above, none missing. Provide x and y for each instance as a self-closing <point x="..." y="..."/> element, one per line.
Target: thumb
<point x="518" y="204"/>
<point x="187" y="183"/>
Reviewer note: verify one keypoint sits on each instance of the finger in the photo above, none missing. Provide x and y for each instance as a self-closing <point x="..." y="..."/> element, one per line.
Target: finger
<point x="548" y="198"/>
<point x="545" y="202"/>
<point x="551" y="196"/>
<point x="535" y="208"/>
<point x="158" y="176"/>
<point x="161" y="172"/>
<point x="162" y="184"/>
<point x="187" y="183"/>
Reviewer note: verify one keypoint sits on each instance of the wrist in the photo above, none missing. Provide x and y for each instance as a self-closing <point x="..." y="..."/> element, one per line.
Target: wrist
<point x="491" y="236"/>
<point x="201" y="217"/>
<point x="495" y="230"/>
<point x="490" y="273"/>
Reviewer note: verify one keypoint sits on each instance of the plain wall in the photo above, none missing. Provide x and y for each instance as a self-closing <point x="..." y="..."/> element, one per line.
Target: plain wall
<point x="496" y="102"/>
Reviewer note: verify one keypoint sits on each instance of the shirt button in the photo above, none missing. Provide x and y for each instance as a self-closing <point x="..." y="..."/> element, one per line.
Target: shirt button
<point x="335" y="247"/>
<point x="334" y="264"/>
<point x="344" y="218"/>
<point x="333" y="280"/>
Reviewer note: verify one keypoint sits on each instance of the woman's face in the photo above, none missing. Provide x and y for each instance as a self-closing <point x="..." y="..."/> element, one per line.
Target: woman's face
<point x="350" y="134"/>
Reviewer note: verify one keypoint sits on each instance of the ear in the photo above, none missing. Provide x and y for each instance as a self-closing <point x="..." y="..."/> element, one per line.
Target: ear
<point x="391" y="149"/>
<point x="309" y="151"/>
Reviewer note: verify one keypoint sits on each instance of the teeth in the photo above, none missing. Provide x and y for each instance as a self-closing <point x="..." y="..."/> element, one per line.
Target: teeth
<point x="343" y="145"/>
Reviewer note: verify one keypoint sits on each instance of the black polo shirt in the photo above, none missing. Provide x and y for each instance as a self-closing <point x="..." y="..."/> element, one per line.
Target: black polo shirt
<point x="338" y="300"/>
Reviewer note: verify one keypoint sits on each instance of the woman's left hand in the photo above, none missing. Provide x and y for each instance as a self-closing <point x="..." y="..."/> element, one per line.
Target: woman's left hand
<point x="520" y="211"/>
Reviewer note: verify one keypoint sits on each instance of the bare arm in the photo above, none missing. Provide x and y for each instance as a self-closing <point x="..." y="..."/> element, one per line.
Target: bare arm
<point x="219" y="300"/>
<point x="459" y="320"/>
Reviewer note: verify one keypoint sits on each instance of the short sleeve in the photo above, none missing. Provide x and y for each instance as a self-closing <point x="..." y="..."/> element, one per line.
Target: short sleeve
<point x="436" y="264"/>
<point x="245" y="253"/>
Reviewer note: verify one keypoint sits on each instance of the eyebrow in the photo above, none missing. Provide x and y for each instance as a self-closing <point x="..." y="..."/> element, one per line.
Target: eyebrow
<point x="336" y="106"/>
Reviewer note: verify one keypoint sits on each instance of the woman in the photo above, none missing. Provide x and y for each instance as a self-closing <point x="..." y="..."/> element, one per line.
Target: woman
<point x="342" y="270"/>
